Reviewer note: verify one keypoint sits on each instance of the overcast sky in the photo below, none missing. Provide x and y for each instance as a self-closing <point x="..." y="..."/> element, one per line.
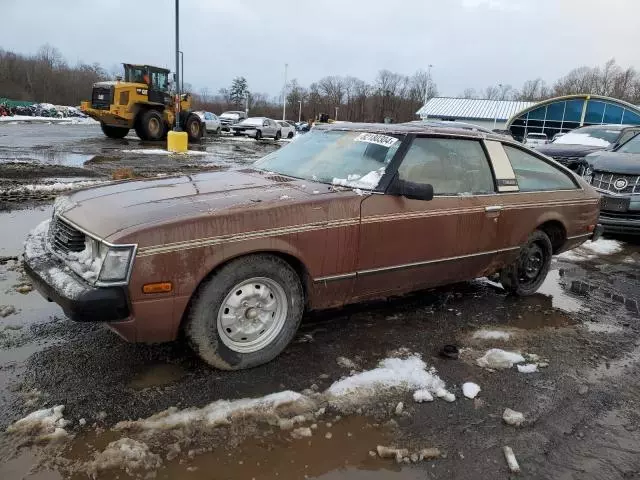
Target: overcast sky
<point x="471" y="43"/>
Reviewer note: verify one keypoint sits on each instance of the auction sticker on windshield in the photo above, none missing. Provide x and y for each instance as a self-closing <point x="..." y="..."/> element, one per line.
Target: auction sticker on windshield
<point x="384" y="140"/>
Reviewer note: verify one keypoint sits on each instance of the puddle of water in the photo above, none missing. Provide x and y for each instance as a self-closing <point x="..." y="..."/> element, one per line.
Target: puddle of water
<point x="559" y="298"/>
<point x="50" y="157"/>
<point x="20" y="468"/>
<point x="157" y="376"/>
<point x="15" y="225"/>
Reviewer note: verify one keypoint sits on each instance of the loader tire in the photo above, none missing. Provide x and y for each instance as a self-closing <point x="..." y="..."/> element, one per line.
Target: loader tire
<point x="114" y="132"/>
<point x="152" y="125"/>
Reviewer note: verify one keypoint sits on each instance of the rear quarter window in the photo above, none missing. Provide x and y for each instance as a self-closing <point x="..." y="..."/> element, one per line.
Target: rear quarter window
<point x="536" y="175"/>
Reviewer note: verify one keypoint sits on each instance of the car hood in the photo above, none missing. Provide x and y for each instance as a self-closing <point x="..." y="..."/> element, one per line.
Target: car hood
<point x="110" y="211"/>
<point x="623" y="163"/>
<point x="560" y="150"/>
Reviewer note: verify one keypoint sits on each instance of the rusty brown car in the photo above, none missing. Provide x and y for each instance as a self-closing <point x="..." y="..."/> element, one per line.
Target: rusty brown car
<point x="346" y="213"/>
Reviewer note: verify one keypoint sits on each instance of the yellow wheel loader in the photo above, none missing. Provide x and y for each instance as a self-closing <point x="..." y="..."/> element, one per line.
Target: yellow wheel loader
<point x="142" y="102"/>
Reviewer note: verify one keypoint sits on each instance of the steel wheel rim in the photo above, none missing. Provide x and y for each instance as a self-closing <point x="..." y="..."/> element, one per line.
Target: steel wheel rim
<point x="531" y="264"/>
<point x="252" y="314"/>
<point x="154" y="126"/>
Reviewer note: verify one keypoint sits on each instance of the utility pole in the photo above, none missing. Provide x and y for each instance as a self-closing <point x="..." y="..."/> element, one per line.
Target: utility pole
<point x="495" y="118"/>
<point x="426" y="92"/>
<point x="284" y="93"/>
<point x="182" y="68"/>
<point x="178" y="97"/>
<point x="299" y="110"/>
<point x="336" y="117"/>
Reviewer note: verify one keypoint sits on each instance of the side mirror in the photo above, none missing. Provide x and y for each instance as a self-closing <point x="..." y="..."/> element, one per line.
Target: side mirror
<point x="411" y="190"/>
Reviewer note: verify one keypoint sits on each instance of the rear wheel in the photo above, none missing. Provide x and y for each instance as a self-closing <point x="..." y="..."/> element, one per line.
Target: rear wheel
<point x="258" y="135"/>
<point x="290" y="135"/>
<point x="218" y="131"/>
<point x="527" y="273"/>
<point x="278" y="135"/>
<point x="193" y="127"/>
<point x="247" y="313"/>
<point x="114" y="132"/>
<point x="151" y="126"/>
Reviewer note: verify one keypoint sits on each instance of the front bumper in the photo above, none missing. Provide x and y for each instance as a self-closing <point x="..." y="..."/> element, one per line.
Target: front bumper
<point x="79" y="300"/>
<point x="620" y="222"/>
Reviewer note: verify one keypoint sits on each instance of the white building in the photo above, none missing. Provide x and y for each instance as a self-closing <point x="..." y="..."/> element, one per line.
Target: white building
<point x="489" y="114"/>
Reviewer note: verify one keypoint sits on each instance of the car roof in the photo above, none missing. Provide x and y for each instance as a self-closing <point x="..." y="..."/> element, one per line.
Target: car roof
<point x="407" y="128"/>
<point x="608" y="126"/>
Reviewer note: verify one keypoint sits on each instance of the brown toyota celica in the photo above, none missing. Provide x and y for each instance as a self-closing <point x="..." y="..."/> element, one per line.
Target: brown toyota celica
<point x="345" y="213"/>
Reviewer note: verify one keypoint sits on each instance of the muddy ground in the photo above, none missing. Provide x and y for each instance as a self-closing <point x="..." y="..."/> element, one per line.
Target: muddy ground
<point x="582" y="414"/>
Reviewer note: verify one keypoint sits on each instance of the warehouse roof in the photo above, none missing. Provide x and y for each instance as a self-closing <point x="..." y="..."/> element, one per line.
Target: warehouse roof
<point x="472" y="108"/>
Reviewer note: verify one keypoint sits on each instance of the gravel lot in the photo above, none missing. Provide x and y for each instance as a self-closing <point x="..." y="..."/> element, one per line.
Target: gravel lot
<point x="581" y="415"/>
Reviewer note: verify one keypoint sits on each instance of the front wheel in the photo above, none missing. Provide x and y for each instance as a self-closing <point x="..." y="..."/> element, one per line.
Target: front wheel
<point x="247" y="313"/>
<point x="258" y="135"/>
<point x="152" y="126"/>
<point x="218" y="131"/>
<point x="290" y="135"/>
<point x="114" y="132"/>
<point x="529" y="271"/>
<point x="194" y="129"/>
<point x="278" y="135"/>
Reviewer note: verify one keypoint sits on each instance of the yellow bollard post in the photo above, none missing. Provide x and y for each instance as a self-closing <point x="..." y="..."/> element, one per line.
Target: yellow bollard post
<point x="177" y="141"/>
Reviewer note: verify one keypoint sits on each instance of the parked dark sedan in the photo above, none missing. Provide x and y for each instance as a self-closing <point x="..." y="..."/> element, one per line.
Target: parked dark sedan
<point x="616" y="175"/>
<point x="571" y="148"/>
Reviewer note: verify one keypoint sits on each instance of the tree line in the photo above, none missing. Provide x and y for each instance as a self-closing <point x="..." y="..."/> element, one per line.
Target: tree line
<point x="47" y="77"/>
<point x="609" y="80"/>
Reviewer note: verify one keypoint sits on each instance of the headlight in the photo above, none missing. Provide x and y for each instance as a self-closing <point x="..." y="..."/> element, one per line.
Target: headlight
<point x="588" y="174"/>
<point x="115" y="264"/>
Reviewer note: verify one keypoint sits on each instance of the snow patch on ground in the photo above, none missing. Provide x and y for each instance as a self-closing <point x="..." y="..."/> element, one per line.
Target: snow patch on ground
<point x="470" y="389"/>
<point x="46" y="424"/>
<point x="54" y="187"/>
<point x="422" y="395"/>
<point x="125" y="454"/>
<point x="216" y="413"/>
<point x="486" y="334"/>
<point x="528" y="368"/>
<point x="392" y="373"/>
<point x="369" y="181"/>
<point x="34" y="245"/>
<point x="497" y="358"/>
<point x="590" y="250"/>
<point x="596" y="327"/>
<point x="15" y="119"/>
<point x="159" y="151"/>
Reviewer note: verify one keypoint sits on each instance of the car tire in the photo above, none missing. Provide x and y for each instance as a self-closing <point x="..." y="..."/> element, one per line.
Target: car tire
<point x="290" y="135"/>
<point x="152" y="125"/>
<point x="230" y="329"/>
<point x="218" y="131"/>
<point x="524" y="276"/>
<point x="278" y="135"/>
<point x="194" y="128"/>
<point x="114" y="132"/>
<point x="258" y="135"/>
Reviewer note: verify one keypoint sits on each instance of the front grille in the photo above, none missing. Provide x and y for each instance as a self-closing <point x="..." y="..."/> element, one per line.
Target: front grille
<point x="64" y="238"/>
<point x="101" y="98"/>
<point x="607" y="181"/>
<point x="620" y="215"/>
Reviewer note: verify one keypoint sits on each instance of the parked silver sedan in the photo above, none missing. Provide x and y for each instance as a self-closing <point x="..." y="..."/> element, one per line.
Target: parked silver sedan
<point x="258" y="127"/>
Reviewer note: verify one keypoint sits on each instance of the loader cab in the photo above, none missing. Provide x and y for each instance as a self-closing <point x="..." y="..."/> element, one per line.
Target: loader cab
<point x="156" y="78"/>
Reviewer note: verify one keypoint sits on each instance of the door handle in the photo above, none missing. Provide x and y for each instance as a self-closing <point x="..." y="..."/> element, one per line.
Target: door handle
<point x="493" y="208"/>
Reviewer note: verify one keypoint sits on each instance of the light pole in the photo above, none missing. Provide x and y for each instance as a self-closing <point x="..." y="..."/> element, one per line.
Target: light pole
<point x="284" y="93"/>
<point x="426" y="92"/>
<point x="177" y="126"/>
<point x="181" y="68"/>
<point x="299" y="110"/>
<point x="336" y="117"/>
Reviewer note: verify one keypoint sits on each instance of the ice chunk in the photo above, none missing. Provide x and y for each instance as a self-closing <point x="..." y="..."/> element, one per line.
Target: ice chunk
<point x="470" y="389"/>
<point x="485" y="334"/>
<point x="511" y="459"/>
<point x="125" y="454"/>
<point x="498" y="358"/>
<point x="45" y="424"/>
<point x="445" y="395"/>
<point x="528" y="368"/>
<point x="369" y="181"/>
<point x="511" y="417"/>
<point x="422" y="395"/>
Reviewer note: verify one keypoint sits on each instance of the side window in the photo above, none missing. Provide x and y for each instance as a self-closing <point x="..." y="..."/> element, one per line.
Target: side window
<point x="452" y="166"/>
<point x="536" y="175"/>
<point x="626" y="135"/>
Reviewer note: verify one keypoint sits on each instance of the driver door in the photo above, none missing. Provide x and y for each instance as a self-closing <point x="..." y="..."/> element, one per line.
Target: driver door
<point x="409" y="244"/>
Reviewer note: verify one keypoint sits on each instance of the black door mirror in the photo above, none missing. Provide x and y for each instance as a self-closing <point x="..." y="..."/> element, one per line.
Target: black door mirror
<point x="411" y="190"/>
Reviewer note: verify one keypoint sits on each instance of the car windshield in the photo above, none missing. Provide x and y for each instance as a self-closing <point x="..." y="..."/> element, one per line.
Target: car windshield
<point x="590" y="136"/>
<point x="252" y="121"/>
<point x="632" y="146"/>
<point x="351" y="159"/>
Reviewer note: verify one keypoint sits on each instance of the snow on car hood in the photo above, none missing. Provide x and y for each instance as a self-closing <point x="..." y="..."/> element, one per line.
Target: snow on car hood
<point x="109" y="210"/>
<point x="614" y="162"/>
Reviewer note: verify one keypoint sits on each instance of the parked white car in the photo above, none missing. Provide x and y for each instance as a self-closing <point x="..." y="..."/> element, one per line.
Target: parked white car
<point x="258" y="127"/>
<point x="288" y="129"/>
<point x="533" y="139"/>
<point x="211" y="121"/>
